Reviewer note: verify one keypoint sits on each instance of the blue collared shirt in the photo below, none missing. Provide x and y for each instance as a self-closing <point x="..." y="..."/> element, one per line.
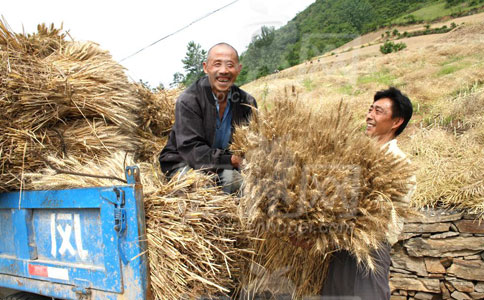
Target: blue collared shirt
<point x="224" y="126"/>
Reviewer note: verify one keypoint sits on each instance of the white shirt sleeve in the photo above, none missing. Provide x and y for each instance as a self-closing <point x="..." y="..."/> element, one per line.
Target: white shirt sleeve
<point x="395" y="227"/>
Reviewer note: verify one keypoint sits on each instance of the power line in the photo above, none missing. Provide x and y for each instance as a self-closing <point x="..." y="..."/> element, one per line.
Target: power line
<point x="177" y="31"/>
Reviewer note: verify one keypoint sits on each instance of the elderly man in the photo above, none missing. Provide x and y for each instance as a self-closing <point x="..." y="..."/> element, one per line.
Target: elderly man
<point x="205" y="115"/>
<point x="386" y="119"/>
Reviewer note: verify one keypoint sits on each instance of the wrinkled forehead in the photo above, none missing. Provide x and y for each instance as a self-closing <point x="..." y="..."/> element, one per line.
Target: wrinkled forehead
<point x="222" y="52"/>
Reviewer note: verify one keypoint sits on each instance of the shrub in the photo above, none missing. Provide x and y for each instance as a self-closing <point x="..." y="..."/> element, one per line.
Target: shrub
<point x="399" y="46"/>
<point x="389" y="47"/>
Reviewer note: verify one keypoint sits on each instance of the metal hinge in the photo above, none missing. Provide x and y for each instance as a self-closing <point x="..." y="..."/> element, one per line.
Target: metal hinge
<point x="120" y="220"/>
<point x="132" y="175"/>
<point x="120" y="212"/>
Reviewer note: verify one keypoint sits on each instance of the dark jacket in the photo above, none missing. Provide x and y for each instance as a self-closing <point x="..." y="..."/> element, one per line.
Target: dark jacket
<point x="193" y="133"/>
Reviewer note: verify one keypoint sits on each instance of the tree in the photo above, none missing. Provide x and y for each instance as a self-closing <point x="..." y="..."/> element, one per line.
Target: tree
<point x="262" y="71"/>
<point x="292" y="56"/>
<point x="147" y="85"/>
<point x="192" y="64"/>
<point x="356" y="12"/>
<point x="159" y="88"/>
<point x="265" y="38"/>
<point x="178" y="79"/>
<point x="450" y="3"/>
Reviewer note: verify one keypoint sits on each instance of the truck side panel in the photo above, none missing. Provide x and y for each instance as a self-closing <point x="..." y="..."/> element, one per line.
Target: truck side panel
<point x="68" y="243"/>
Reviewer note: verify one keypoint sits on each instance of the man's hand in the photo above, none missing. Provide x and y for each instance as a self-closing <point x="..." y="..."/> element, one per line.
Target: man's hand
<point x="236" y="161"/>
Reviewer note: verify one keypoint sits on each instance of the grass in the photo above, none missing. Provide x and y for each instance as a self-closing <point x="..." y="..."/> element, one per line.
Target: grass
<point x="420" y="108"/>
<point x="383" y="77"/>
<point x="346" y="89"/>
<point x="440" y="121"/>
<point x="468" y="89"/>
<point x="308" y="84"/>
<point x="265" y="92"/>
<point x="452" y="67"/>
<point x="452" y="59"/>
<point x="448" y="70"/>
<point x="435" y="11"/>
<point x="349" y="89"/>
<point x="432" y="12"/>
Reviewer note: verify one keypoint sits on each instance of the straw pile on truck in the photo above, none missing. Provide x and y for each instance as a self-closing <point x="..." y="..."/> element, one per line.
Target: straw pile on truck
<point x="311" y="177"/>
<point x="67" y="109"/>
<point x="62" y="98"/>
<point x="156" y="117"/>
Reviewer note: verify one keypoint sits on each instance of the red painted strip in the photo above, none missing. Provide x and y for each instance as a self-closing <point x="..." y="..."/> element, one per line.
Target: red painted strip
<point x="38" y="270"/>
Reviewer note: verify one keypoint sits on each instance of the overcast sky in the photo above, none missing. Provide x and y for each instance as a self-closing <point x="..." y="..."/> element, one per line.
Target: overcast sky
<point x="124" y="27"/>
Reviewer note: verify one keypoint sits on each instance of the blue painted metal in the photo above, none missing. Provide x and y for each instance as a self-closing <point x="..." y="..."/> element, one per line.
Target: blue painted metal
<point x="90" y="241"/>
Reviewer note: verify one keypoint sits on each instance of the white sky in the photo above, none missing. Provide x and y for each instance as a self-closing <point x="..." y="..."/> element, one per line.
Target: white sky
<point x="124" y="27"/>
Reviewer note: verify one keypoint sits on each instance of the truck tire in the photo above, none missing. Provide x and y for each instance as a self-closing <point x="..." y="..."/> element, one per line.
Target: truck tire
<point x="27" y="296"/>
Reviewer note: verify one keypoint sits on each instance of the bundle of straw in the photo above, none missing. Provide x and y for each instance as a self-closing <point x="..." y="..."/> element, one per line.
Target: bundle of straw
<point x="71" y="172"/>
<point x="192" y="226"/>
<point x="59" y="98"/>
<point x="450" y="171"/>
<point x="156" y="117"/>
<point x="450" y="154"/>
<point x="312" y="177"/>
<point x="192" y="233"/>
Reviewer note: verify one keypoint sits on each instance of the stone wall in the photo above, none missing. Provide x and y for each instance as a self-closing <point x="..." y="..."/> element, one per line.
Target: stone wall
<point x="439" y="256"/>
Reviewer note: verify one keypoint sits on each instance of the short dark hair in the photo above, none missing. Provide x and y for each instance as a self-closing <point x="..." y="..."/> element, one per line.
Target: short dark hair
<point x="401" y="105"/>
<point x="223" y="44"/>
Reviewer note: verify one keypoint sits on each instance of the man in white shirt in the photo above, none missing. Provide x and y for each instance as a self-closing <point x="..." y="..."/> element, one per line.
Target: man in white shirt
<point x="386" y="119"/>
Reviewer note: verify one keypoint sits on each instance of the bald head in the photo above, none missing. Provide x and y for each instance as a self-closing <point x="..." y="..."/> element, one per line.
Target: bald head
<point x="222" y="68"/>
<point x="222" y="45"/>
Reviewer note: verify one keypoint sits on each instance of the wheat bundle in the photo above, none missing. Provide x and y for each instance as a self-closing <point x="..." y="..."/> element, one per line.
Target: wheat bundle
<point x="192" y="232"/>
<point x="25" y="151"/>
<point x="156" y="117"/>
<point x="282" y="268"/>
<point x="61" y="98"/>
<point x="312" y="176"/>
<point x="71" y="172"/>
<point x="450" y="170"/>
<point x="450" y="154"/>
<point x="192" y="226"/>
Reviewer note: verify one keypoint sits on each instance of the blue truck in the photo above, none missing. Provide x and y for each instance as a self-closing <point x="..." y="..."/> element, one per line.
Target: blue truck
<point x="84" y="243"/>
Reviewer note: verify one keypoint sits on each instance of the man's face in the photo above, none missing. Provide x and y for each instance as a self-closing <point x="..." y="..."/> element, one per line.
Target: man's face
<point x="222" y="68"/>
<point x="379" y="121"/>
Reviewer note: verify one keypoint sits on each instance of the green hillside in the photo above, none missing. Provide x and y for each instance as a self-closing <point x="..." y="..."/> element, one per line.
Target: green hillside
<point x="328" y="24"/>
<point x="439" y="9"/>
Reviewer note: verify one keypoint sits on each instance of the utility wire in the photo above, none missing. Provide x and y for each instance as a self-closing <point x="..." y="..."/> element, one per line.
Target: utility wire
<point x="177" y="31"/>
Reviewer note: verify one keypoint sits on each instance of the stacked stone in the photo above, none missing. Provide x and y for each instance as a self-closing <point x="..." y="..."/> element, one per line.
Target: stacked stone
<point x="439" y="256"/>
